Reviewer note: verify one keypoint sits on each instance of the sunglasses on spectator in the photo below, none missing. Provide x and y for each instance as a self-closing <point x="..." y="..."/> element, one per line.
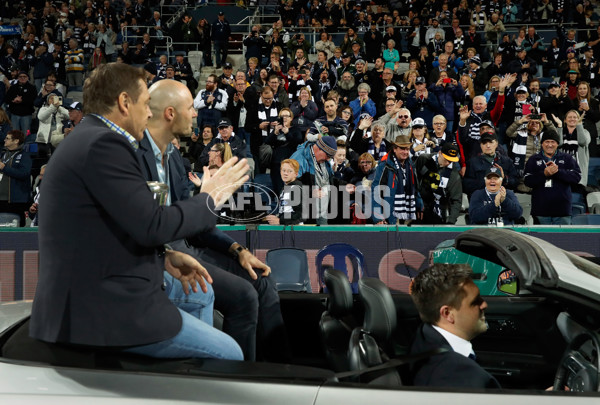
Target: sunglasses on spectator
<point x="403" y="116"/>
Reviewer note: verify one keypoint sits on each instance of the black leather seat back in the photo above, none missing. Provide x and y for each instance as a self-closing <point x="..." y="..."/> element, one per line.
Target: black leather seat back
<point x="372" y="344"/>
<point x="380" y="312"/>
<point x="336" y="322"/>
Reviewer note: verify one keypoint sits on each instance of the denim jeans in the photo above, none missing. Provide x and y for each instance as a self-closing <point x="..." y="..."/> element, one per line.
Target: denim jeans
<point x="198" y="304"/>
<point x="554" y="220"/>
<point x="21" y="122"/>
<point x="196" y="339"/>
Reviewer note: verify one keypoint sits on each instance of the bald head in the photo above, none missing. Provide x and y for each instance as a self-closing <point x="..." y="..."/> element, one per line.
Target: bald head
<point x="173" y="111"/>
<point x="164" y="94"/>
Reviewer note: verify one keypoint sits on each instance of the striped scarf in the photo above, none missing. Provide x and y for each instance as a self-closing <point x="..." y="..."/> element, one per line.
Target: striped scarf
<point x="378" y="154"/>
<point x="267" y="115"/>
<point x="519" y="148"/>
<point x="570" y="144"/>
<point x="405" y="204"/>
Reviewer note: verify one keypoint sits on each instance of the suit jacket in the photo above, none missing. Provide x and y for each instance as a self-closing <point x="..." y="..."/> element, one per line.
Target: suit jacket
<point x="212" y="238"/>
<point x="448" y="369"/>
<point x="100" y="274"/>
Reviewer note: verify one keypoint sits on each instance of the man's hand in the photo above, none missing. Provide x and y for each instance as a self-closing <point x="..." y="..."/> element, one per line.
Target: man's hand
<point x="464" y="114"/>
<point x="225" y="181"/>
<point x="187" y="270"/>
<point x="249" y="262"/>
<point x="551" y="169"/>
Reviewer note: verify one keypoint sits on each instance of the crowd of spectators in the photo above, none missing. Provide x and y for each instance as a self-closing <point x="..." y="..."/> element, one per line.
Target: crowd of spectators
<point x="431" y="93"/>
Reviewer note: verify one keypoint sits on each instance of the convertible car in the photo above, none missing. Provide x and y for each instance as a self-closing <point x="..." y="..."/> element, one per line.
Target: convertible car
<point x="350" y="349"/>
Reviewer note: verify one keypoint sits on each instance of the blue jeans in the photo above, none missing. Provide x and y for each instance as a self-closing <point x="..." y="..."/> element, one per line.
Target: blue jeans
<point x="21" y="122"/>
<point x="198" y="304"/>
<point x="196" y="339"/>
<point x="554" y="220"/>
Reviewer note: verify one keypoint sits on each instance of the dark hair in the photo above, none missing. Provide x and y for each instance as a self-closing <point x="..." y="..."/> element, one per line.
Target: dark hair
<point x="99" y="97"/>
<point x="439" y="285"/>
<point x="18" y="135"/>
<point x="212" y="130"/>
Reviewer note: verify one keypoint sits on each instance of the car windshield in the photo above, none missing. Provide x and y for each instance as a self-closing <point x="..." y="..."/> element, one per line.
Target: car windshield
<point x="584" y="265"/>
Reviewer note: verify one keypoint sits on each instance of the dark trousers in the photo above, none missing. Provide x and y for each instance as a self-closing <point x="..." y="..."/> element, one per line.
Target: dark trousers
<point x="250" y="307"/>
<point x="221" y="48"/>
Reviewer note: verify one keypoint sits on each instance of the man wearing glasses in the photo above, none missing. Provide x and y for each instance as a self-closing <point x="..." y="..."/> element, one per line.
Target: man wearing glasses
<point x="210" y="103"/>
<point x="398" y="124"/>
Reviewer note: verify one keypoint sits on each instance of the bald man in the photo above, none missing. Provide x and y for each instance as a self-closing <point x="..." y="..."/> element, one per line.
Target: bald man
<point x="243" y="290"/>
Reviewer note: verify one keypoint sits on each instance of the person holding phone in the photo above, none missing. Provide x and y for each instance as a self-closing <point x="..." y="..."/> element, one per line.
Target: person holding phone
<point x="51" y="116"/>
<point x="448" y="92"/>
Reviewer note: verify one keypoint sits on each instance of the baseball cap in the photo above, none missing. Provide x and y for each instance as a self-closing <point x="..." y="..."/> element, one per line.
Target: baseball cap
<point x="418" y="123"/>
<point x="227" y="65"/>
<point x="450" y="152"/>
<point x="493" y="171"/>
<point x="522" y="89"/>
<point x="221" y="13"/>
<point x="391" y="88"/>
<point x="487" y="123"/>
<point x="554" y="84"/>
<point x="488" y="136"/>
<point x="476" y="60"/>
<point x="419" y="80"/>
<point x="76" y="106"/>
<point x="225" y="122"/>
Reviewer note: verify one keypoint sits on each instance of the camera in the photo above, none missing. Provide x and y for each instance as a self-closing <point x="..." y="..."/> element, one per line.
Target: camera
<point x="254" y="33"/>
<point x="447" y="80"/>
<point x="59" y="99"/>
<point x="535" y="116"/>
<point x="280" y="120"/>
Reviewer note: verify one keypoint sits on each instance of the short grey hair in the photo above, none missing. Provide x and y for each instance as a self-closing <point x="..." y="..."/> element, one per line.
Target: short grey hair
<point x="364" y="87"/>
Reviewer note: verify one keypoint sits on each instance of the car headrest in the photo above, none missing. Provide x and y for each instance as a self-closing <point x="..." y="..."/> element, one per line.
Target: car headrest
<point x="380" y="311"/>
<point x="339" y="303"/>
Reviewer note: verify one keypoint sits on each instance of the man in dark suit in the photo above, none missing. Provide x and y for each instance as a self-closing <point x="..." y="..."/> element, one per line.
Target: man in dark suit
<point x="245" y="298"/>
<point x="452" y="311"/>
<point x="102" y="233"/>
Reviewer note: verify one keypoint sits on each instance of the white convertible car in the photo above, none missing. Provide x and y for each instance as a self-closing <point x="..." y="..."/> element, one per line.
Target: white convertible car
<point x="543" y="332"/>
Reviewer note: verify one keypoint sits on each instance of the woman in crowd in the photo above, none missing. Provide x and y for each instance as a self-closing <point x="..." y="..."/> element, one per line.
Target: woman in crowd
<point x="304" y="109"/>
<point x="204" y="41"/>
<point x="408" y="83"/>
<point x="588" y="108"/>
<point x="391" y="55"/>
<point x="51" y="116"/>
<point x="419" y="138"/>
<point x="448" y="92"/>
<point x="96" y="59"/>
<point x="325" y="44"/>
<point x="440" y="135"/>
<point x="467" y="84"/>
<point x="345" y="113"/>
<point x="290" y="199"/>
<point x="373" y="143"/>
<point x="363" y="104"/>
<point x="284" y="139"/>
<point x="341" y="165"/>
<point x="575" y="141"/>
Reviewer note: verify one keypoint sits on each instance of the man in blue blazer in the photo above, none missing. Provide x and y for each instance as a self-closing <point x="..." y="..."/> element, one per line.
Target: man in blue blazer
<point x="452" y="311"/>
<point x="101" y="235"/>
<point x="245" y="298"/>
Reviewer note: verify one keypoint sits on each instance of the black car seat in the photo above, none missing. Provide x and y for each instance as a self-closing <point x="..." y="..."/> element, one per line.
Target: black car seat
<point x="372" y="344"/>
<point x="337" y="322"/>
